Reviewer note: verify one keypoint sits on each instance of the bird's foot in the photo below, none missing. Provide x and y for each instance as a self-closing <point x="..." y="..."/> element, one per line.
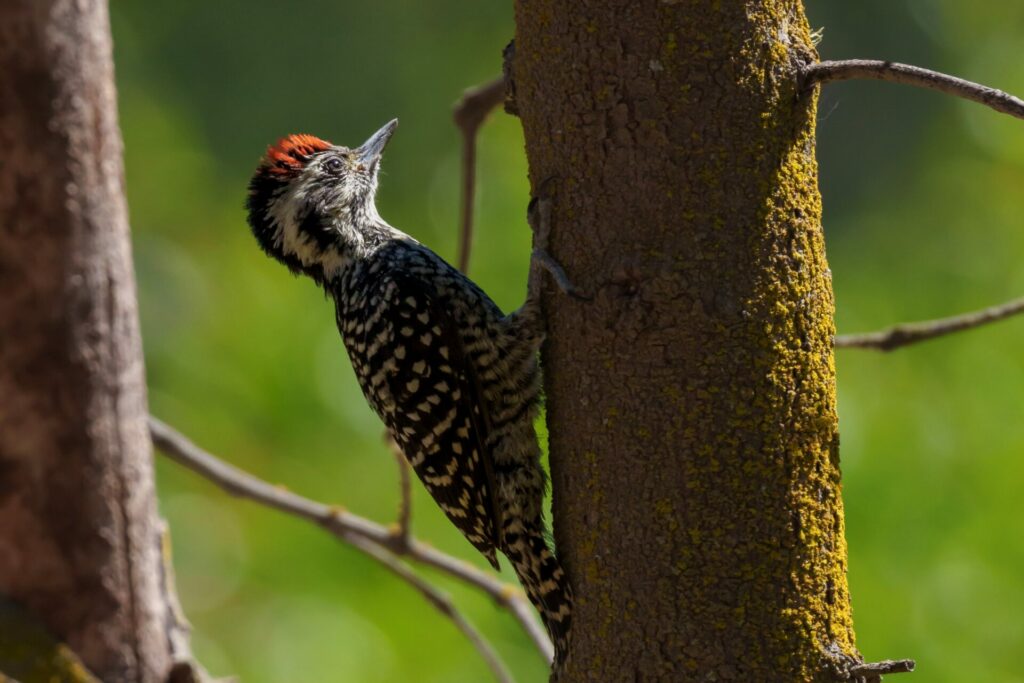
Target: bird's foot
<point x="538" y="214"/>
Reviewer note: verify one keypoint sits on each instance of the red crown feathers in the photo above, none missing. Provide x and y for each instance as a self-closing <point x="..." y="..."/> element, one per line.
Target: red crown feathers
<point x="291" y="153"/>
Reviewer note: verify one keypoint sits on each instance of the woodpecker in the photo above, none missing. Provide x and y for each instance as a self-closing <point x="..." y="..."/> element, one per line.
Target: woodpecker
<point x="455" y="381"/>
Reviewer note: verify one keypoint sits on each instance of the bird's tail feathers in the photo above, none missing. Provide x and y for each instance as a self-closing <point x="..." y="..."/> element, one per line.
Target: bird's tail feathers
<point x="545" y="583"/>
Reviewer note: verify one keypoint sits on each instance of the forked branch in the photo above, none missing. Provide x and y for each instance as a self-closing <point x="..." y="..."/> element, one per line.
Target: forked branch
<point x="912" y="333"/>
<point x="878" y="70"/>
<point x="353" y="529"/>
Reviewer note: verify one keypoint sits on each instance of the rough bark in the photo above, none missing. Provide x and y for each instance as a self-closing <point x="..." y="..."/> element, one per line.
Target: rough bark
<point x="691" y="403"/>
<point x="79" y="544"/>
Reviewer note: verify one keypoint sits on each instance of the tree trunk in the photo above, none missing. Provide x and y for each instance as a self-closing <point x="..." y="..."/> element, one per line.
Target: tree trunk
<point x="691" y="403"/>
<point x="78" y="527"/>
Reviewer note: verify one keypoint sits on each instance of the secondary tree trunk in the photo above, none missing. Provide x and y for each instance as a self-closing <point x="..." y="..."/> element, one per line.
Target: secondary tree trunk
<point x="79" y="541"/>
<point x="691" y="403"/>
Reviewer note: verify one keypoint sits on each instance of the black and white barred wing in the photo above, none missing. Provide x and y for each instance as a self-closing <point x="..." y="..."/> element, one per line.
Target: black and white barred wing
<point x="437" y="419"/>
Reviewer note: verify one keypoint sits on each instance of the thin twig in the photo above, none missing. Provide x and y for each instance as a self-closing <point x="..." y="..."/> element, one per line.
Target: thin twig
<point x="873" y="671"/>
<point x="403" y="530"/>
<point x="850" y="69"/>
<point x="344" y="525"/>
<point x="850" y="668"/>
<point x="911" y="333"/>
<point x="439" y="600"/>
<point x="469" y="113"/>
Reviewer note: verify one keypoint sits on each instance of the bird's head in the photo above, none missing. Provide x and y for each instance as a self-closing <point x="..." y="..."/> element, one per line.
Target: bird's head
<point x="311" y="204"/>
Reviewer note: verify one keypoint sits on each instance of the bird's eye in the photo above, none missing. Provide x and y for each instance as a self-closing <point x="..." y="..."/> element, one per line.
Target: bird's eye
<point x="333" y="164"/>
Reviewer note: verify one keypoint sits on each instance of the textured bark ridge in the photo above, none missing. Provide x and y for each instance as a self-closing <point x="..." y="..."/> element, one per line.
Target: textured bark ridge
<point x="79" y="546"/>
<point x="691" y="404"/>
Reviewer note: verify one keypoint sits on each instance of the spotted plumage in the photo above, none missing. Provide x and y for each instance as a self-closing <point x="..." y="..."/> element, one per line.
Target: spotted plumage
<point x="455" y="381"/>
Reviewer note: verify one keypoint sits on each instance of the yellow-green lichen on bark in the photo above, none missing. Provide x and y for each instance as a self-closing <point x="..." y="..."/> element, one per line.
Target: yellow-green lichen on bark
<point x="691" y="402"/>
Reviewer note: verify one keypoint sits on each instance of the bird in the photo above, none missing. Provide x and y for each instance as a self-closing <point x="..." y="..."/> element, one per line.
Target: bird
<point x="455" y="381"/>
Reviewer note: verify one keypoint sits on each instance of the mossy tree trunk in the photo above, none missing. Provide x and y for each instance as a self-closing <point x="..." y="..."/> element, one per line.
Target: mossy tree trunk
<point x="691" y="403"/>
<point x="79" y="541"/>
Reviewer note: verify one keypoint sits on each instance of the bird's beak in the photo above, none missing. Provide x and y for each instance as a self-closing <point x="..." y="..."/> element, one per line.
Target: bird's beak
<point x="369" y="152"/>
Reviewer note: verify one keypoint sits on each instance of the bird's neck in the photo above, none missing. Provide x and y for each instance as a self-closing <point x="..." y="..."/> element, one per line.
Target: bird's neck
<point x="357" y="242"/>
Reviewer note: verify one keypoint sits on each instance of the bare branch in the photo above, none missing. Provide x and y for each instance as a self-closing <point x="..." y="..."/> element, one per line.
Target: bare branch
<point x="850" y="69"/>
<point x="912" y="333"/>
<point x="344" y="525"/>
<point x="850" y="668"/>
<point x="402" y="530"/>
<point x="872" y="672"/>
<point x="438" y="600"/>
<point x="469" y="113"/>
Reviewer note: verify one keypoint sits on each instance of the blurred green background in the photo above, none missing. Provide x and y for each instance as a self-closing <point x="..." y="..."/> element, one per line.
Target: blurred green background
<point x="923" y="207"/>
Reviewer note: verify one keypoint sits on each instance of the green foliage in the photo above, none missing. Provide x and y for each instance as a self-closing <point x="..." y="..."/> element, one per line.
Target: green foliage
<point x="922" y="208"/>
